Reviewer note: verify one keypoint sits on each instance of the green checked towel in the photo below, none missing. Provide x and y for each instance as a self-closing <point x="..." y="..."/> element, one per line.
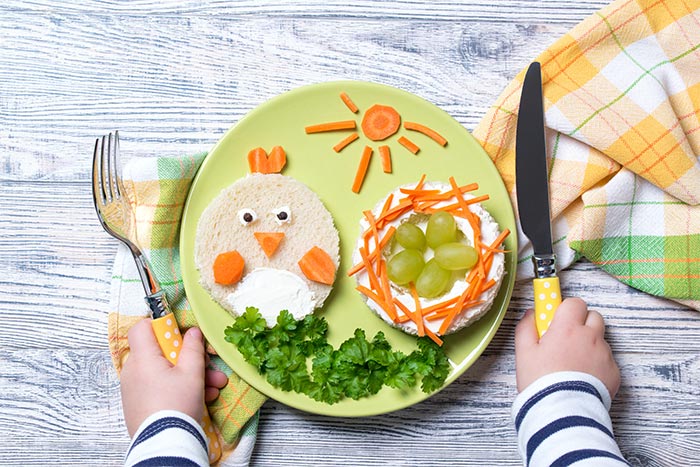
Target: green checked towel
<point x="157" y="188"/>
<point x="622" y="107"/>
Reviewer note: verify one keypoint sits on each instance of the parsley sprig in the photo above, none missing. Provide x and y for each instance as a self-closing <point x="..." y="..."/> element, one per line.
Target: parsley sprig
<point x="357" y="369"/>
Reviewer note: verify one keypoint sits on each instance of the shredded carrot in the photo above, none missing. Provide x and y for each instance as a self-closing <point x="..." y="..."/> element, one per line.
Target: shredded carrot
<point x="373" y="280"/>
<point x="433" y="336"/>
<point x="318" y="266"/>
<point x="501" y="237"/>
<point x="331" y="126"/>
<point x="372" y="256"/>
<point x="362" y="169"/>
<point x="374" y="296"/>
<point x="408" y="144"/>
<point x="408" y="191"/>
<point x="351" y="105"/>
<point x="380" y="122"/>
<point x="228" y="268"/>
<point x="434" y="135"/>
<point x="385" y="153"/>
<point x="387" y="204"/>
<point x="386" y="289"/>
<point x="345" y="142"/>
<point x="418" y="313"/>
<point x="407" y="313"/>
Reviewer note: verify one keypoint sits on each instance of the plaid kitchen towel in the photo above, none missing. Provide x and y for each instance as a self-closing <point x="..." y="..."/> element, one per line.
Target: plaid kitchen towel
<point x="622" y="111"/>
<point x="157" y="188"/>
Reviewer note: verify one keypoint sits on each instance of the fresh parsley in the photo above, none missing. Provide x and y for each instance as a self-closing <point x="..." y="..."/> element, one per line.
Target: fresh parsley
<point x="295" y="356"/>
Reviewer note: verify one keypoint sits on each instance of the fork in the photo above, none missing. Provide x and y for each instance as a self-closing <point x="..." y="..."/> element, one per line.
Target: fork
<point x="116" y="217"/>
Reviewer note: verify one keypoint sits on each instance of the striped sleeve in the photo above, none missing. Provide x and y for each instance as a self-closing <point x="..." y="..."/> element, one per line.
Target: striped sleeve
<point x="562" y="419"/>
<point x="168" y="438"/>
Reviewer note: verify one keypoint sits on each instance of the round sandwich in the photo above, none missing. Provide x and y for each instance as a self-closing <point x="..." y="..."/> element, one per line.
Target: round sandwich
<point x="267" y="241"/>
<point x="440" y="261"/>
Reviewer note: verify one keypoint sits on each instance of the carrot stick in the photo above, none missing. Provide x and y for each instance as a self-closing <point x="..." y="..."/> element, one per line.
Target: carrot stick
<point x="404" y="308"/>
<point x="372" y="256"/>
<point x="385" y="153"/>
<point x="434" y="135"/>
<point x="344" y="143"/>
<point x="372" y="295"/>
<point x="387" y="204"/>
<point x="434" y="337"/>
<point x="362" y="169"/>
<point x="501" y="237"/>
<point x="373" y="280"/>
<point x="408" y="144"/>
<point x="380" y="122"/>
<point x="409" y="191"/>
<point x="417" y="314"/>
<point x="347" y="101"/>
<point x="386" y="289"/>
<point x="331" y="126"/>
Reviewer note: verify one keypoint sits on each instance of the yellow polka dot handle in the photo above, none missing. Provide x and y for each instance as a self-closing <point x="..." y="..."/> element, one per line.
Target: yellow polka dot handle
<point x="547" y="299"/>
<point x="170" y="341"/>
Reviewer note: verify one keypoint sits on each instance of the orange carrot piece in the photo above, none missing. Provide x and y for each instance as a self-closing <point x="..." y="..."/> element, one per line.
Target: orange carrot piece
<point x="404" y="308"/>
<point x="385" y="153"/>
<point x="371" y="256"/>
<point x="429" y="132"/>
<point x="499" y="240"/>
<point x="331" y="126"/>
<point x="373" y="280"/>
<point x="269" y="241"/>
<point x="228" y="268"/>
<point x="418" y="313"/>
<point x="276" y="160"/>
<point x="386" y="290"/>
<point x="434" y="337"/>
<point x="362" y="169"/>
<point x="318" y="266"/>
<point x="387" y="204"/>
<point x="345" y="142"/>
<point x="438" y="306"/>
<point x="372" y="295"/>
<point x="257" y="160"/>
<point x="408" y="144"/>
<point x="380" y="122"/>
<point x="348" y="102"/>
<point x="418" y="193"/>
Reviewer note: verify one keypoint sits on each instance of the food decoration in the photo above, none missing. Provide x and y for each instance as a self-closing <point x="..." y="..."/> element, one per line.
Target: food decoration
<point x="378" y="123"/>
<point x="429" y="258"/>
<point x="267" y="241"/>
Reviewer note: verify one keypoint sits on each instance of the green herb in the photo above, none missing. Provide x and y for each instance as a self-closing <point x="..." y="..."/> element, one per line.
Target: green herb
<point x="357" y="369"/>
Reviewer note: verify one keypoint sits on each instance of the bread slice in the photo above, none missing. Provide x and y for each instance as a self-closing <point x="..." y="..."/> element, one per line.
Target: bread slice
<point x="307" y="224"/>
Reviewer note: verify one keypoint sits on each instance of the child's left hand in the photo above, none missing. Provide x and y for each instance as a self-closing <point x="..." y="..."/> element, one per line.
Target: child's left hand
<point x="150" y="383"/>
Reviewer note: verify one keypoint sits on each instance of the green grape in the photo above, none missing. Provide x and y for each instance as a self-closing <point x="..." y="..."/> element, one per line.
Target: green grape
<point x="442" y="228"/>
<point x="455" y="256"/>
<point x="410" y="236"/>
<point x="433" y="280"/>
<point x="405" y="266"/>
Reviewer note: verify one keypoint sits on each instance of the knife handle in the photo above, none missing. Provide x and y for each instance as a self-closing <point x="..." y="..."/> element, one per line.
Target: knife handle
<point x="547" y="299"/>
<point x="170" y="341"/>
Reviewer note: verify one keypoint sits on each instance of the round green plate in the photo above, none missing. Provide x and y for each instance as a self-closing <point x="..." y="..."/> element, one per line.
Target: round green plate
<point x="311" y="160"/>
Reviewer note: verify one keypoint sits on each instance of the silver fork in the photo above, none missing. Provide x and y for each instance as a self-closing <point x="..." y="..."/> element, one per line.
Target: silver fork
<point x="115" y="215"/>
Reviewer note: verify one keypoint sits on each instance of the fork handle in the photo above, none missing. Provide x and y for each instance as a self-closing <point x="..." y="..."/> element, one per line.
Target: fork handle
<point x="170" y="341"/>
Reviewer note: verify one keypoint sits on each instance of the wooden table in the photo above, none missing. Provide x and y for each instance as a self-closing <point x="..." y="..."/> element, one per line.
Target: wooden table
<point x="173" y="77"/>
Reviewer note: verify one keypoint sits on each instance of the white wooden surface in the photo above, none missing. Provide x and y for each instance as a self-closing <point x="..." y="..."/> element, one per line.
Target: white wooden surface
<point x="173" y="76"/>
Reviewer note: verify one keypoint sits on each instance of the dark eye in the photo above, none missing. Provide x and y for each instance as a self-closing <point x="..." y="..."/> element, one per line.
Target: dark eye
<point x="247" y="216"/>
<point x="282" y="215"/>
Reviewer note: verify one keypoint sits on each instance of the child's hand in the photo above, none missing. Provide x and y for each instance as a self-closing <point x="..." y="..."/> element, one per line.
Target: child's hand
<point x="150" y="383"/>
<point x="574" y="342"/>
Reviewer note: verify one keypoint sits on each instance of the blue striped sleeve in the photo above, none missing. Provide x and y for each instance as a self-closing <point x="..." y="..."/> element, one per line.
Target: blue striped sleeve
<point x="168" y="438"/>
<point x="563" y="418"/>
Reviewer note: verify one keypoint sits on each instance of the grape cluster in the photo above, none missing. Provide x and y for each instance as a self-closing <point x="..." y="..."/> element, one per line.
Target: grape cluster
<point x="431" y="278"/>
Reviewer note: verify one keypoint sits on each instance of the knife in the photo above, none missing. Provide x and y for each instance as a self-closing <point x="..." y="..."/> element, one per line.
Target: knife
<point x="532" y="192"/>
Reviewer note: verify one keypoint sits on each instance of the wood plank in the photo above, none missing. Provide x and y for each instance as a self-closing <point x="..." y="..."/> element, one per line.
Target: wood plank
<point x="66" y="80"/>
<point x="566" y="11"/>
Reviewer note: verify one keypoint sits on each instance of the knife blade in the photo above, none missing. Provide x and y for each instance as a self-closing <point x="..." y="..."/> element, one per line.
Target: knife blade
<point x="532" y="193"/>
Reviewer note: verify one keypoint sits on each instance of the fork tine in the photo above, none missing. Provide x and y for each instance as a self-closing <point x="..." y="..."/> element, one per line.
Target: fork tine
<point x="104" y="170"/>
<point x="97" y="188"/>
<point x="118" y="185"/>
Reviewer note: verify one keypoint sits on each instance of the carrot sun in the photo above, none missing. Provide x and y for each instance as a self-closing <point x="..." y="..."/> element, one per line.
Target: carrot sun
<point x="379" y="123"/>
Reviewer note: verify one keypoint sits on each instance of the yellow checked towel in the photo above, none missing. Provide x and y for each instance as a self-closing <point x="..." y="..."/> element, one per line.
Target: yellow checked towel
<point x="622" y="108"/>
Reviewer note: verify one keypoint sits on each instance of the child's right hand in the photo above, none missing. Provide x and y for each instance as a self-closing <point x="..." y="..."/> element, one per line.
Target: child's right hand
<point x="575" y="341"/>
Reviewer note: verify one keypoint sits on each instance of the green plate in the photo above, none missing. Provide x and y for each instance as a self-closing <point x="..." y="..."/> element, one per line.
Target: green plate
<point x="311" y="160"/>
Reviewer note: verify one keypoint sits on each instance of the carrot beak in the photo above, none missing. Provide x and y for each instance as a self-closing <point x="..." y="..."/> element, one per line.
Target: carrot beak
<point x="269" y="241"/>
